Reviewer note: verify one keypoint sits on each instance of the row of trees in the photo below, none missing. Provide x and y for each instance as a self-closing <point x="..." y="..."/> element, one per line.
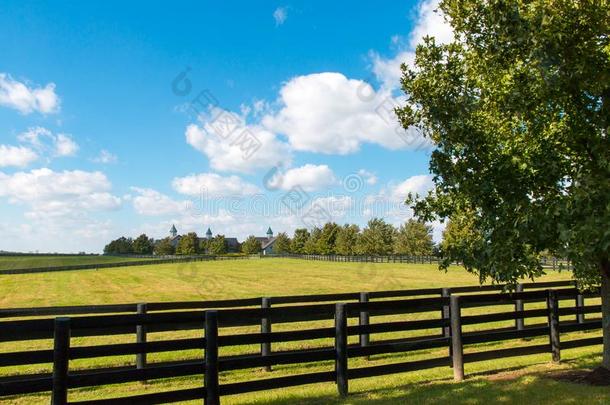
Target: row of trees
<point x="190" y="244"/>
<point x="142" y="245"/>
<point x="377" y="238"/>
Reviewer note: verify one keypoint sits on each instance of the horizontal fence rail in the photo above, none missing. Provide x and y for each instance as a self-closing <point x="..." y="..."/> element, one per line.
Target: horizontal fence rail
<point x="444" y="311"/>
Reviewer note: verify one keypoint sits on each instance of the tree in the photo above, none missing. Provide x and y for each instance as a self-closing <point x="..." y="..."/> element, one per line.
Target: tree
<point x="164" y="247"/>
<point x="282" y="243"/>
<point x="347" y="240"/>
<point x="218" y="245"/>
<point x="297" y="245"/>
<point x="251" y="245"/>
<point x="377" y="238"/>
<point x="518" y="108"/>
<point x="414" y="238"/>
<point x="188" y="244"/>
<point x="143" y="245"/>
<point x="204" y="246"/>
<point x="328" y="236"/>
<point x="120" y="246"/>
<point x="311" y="245"/>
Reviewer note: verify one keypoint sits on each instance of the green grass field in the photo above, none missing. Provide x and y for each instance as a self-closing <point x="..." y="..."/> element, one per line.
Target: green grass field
<point x="25" y="262"/>
<point x="507" y="381"/>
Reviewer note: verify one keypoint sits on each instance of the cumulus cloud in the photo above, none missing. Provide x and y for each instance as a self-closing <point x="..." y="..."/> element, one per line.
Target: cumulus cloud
<point x="25" y="99"/>
<point x="279" y="15"/>
<point x="48" y="193"/>
<point x="45" y="141"/>
<point x="336" y="206"/>
<point x="153" y="203"/>
<point x="429" y="22"/>
<point x="330" y="113"/>
<point x="18" y="156"/>
<point x="419" y="184"/>
<point x="369" y="177"/>
<point x="308" y="177"/>
<point x="232" y="145"/>
<point x="105" y="157"/>
<point x="213" y="185"/>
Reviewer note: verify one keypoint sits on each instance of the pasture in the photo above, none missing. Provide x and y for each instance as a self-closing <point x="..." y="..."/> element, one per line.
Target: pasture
<point x="508" y="381"/>
<point x="9" y="262"/>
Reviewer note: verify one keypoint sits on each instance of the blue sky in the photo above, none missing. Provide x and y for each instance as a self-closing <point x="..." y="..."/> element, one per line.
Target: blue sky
<point x="117" y="119"/>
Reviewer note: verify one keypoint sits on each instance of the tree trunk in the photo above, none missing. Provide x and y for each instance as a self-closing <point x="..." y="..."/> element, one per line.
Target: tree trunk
<point x="605" y="270"/>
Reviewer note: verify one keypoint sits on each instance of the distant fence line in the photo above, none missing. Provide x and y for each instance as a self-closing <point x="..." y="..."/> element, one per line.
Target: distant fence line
<point x="440" y="308"/>
<point x="553" y="263"/>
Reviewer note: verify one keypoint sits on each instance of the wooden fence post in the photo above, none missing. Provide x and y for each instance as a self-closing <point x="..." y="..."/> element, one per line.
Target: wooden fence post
<point x="364" y="321"/>
<point x="341" y="348"/>
<point x="553" y="315"/>
<point x="456" y="339"/>
<point x="141" y="338"/>
<point x="61" y="352"/>
<point x="212" y="392"/>
<point x="519" y="307"/>
<point x="266" y="328"/>
<point x="445" y="312"/>
<point x="580" y="303"/>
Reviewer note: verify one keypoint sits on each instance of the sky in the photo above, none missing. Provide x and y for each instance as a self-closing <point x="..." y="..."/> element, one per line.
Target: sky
<point x="122" y="118"/>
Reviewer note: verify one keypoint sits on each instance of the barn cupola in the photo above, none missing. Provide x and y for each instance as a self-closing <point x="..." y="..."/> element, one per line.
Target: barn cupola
<point x="173" y="231"/>
<point x="269" y="233"/>
<point x="208" y="234"/>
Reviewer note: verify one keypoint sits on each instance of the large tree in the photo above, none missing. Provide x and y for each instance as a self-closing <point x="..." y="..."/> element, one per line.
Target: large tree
<point x="328" y="238"/>
<point x="414" y="238"/>
<point x="282" y="243"/>
<point x="143" y="245"/>
<point x="297" y="245"/>
<point x="518" y="108"/>
<point x="164" y="247"/>
<point x="377" y="238"/>
<point x="251" y="245"/>
<point x="188" y="244"/>
<point x="347" y="240"/>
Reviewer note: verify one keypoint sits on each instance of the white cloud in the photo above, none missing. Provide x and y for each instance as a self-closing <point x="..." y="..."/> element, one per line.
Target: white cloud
<point x="19" y="96"/>
<point x="65" y="146"/>
<point x="279" y="15"/>
<point x="213" y="185"/>
<point x="308" y="177"/>
<point x="105" y="157"/>
<point x="419" y="184"/>
<point x="153" y="203"/>
<point x="336" y="206"/>
<point x="429" y="22"/>
<point x="220" y="142"/>
<point x="19" y="156"/>
<point x="329" y="113"/>
<point x="368" y="177"/>
<point x="67" y="194"/>
<point x="45" y="141"/>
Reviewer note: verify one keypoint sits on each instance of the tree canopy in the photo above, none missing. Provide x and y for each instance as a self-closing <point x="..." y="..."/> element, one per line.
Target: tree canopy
<point x="251" y="245"/>
<point x="414" y="238"/>
<point x="518" y="109"/>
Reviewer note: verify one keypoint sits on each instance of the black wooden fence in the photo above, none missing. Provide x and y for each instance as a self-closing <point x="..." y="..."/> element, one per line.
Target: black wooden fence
<point x="452" y="333"/>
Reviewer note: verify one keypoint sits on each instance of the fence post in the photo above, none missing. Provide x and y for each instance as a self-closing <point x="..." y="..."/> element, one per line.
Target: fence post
<point x="580" y="303"/>
<point x="553" y="315"/>
<point x="266" y="328"/>
<point x="141" y="338"/>
<point x="456" y="339"/>
<point x="341" y="348"/>
<point x="365" y="338"/>
<point x="445" y="312"/>
<point x="61" y="351"/>
<point x="519" y="307"/>
<point x="212" y="393"/>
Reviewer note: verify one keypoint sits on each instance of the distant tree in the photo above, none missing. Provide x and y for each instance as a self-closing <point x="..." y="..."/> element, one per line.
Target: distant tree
<point x="311" y="246"/>
<point x="121" y="246"/>
<point x="282" y="243"/>
<point x="414" y="238"/>
<point x="218" y="245"/>
<point x="347" y="240"/>
<point x="188" y="245"/>
<point x="461" y="239"/>
<point x="377" y="238"/>
<point x="204" y="246"/>
<point x="251" y="245"/>
<point x="164" y="247"/>
<point x="143" y="245"/>
<point x="328" y="238"/>
<point x="297" y="245"/>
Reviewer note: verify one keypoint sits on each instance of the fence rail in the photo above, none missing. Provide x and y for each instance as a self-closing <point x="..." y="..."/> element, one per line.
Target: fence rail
<point x="439" y="309"/>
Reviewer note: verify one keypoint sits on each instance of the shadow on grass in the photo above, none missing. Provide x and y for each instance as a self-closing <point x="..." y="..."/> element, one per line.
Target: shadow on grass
<point x="527" y="387"/>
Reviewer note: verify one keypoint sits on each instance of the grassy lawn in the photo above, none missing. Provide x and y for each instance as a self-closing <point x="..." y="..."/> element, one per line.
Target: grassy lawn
<point x="521" y="379"/>
<point x="25" y="262"/>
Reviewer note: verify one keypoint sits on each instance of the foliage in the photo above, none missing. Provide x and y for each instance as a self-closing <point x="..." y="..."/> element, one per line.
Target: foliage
<point x="204" y="245"/>
<point x="218" y="245"/>
<point x="188" y="244"/>
<point x="347" y="240"/>
<point x="377" y="238"/>
<point x="251" y="245"/>
<point x="122" y="246"/>
<point x="328" y="236"/>
<point x="297" y="245"/>
<point x="311" y="245"/>
<point x="143" y="245"/>
<point x="518" y="107"/>
<point x="164" y="247"/>
<point x="414" y="238"/>
<point x="282" y="243"/>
